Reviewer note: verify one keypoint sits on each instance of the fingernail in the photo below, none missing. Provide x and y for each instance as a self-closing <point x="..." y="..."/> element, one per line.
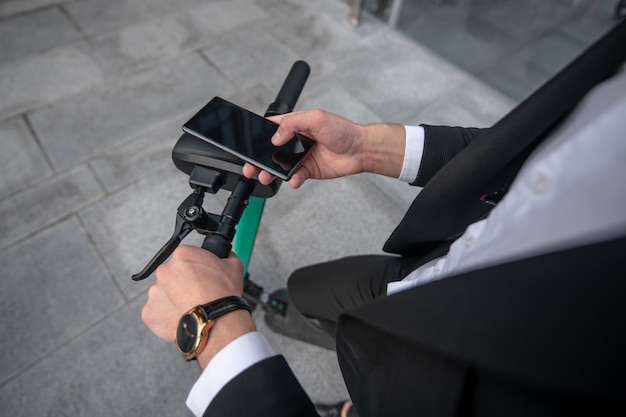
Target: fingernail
<point x="275" y="138"/>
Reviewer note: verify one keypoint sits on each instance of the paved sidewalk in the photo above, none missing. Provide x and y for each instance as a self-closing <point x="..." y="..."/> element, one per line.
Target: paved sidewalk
<point x="92" y="98"/>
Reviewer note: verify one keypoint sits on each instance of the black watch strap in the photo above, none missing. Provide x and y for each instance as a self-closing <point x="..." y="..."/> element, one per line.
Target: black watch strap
<point x="224" y="305"/>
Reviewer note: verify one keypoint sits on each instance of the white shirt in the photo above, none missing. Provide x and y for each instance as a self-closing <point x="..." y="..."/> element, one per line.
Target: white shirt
<point x="570" y="191"/>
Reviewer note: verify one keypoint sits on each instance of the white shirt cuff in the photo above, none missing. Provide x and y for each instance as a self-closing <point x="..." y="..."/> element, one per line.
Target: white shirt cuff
<point x="413" y="151"/>
<point x="229" y="362"/>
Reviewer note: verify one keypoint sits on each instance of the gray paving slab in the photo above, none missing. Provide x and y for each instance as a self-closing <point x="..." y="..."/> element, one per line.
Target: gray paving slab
<point x="53" y="288"/>
<point x="46" y="202"/>
<point x="78" y="128"/>
<point x="398" y="86"/>
<point x="256" y="98"/>
<point x="132" y="374"/>
<point x="224" y="15"/>
<point x="472" y="104"/>
<point x="336" y="99"/>
<point x="143" y="156"/>
<point x="35" y="32"/>
<point x="254" y="61"/>
<point x="337" y="10"/>
<point x="41" y="79"/>
<point x="21" y="161"/>
<point x="150" y="41"/>
<point x="93" y="16"/>
<point x="319" y="38"/>
<point x="145" y="44"/>
<point x="13" y="7"/>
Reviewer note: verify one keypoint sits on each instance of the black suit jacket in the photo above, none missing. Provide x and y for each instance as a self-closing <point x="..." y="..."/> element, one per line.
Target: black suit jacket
<point x="540" y="336"/>
<point x="451" y="199"/>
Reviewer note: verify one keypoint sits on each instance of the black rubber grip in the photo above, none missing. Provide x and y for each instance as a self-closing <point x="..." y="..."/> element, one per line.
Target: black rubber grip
<point x="217" y="245"/>
<point x="290" y="91"/>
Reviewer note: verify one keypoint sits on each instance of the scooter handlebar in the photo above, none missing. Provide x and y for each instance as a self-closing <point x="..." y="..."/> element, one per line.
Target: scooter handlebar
<point x="290" y="91"/>
<point x="220" y="243"/>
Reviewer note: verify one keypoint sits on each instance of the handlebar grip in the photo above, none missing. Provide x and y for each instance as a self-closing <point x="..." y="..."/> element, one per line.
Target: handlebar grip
<point x="290" y="91"/>
<point x="218" y="245"/>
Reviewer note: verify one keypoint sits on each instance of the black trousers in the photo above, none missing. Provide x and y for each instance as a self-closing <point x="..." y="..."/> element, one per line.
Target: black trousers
<point x="324" y="291"/>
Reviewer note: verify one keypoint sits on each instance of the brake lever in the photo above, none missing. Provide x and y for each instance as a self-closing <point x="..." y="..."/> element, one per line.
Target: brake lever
<point x="189" y="216"/>
<point x="182" y="229"/>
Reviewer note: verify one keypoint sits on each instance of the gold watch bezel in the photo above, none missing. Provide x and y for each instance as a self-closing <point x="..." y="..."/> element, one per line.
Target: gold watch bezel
<point x="204" y="326"/>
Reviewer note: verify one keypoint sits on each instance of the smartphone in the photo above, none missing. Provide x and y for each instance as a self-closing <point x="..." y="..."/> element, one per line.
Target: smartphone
<point x="247" y="136"/>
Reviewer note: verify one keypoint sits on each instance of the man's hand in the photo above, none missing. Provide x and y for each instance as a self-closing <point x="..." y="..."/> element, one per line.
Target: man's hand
<point x="342" y="147"/>
<point x="191" y="277"/>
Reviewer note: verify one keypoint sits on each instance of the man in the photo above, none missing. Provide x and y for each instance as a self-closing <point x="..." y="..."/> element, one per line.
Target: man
<point x="525" y="220"/>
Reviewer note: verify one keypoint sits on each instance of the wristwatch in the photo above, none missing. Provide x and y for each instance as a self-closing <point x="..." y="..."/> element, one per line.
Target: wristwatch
<point x="194" y="326"/>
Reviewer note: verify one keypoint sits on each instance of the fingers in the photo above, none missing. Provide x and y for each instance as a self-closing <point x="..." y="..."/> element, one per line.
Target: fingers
<point x="298" y="178"/>
<point x="160" y="315"/>
<point x="264" y="177"/>
<point x="296" y="122"/>
<point x="290" y="124"/>
<point x="191" y="277"/>
<point x="196" y="276"/>
<point x="198" y="267"/>
<point x="250" y="171"/>
<point x="278" y="118"/>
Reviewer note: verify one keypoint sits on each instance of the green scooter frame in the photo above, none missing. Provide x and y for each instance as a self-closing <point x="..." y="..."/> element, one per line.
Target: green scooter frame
<point x="247" y="230"/>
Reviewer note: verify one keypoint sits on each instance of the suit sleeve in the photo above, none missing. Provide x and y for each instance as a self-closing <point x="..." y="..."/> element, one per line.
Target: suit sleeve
<point x="441" y="144"/>
<point x="267" y="388"/>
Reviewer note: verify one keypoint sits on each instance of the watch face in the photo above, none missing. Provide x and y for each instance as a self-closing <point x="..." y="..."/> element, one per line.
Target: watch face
<point x="187" y="333"/>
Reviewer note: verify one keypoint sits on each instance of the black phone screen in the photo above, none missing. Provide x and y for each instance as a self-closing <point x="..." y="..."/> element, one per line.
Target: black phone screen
<point x="247" y="135"/>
